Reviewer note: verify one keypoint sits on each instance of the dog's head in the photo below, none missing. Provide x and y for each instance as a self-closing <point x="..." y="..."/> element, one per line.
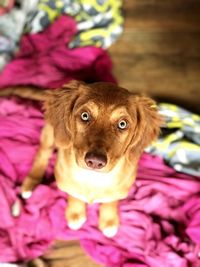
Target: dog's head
<point x="101" y="122"/>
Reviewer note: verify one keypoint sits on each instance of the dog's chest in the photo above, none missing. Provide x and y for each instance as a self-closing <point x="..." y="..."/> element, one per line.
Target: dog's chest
<point x="91" y="186"/>
<point x="93" y="178"/>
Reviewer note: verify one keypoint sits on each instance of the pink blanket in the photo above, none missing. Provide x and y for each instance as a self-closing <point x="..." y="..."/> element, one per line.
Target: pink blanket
<point x="45" y="61"/>
<point x="160" y="220"/>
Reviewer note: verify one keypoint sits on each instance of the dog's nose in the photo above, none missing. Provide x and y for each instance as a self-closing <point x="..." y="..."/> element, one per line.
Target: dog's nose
<point x="95" y="160"/>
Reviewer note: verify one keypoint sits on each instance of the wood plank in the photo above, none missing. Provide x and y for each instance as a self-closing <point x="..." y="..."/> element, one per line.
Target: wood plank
<point x="164" y="15"/>
<point x="159" y="51"/>
<point x="134" y="41"/>
<point x="67" y="254"/>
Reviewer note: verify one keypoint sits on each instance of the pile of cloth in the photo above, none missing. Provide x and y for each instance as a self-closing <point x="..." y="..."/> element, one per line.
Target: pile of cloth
<point x="98" y="22"/>
<point x="160" y="219"/>
<point x="179" y="143"/>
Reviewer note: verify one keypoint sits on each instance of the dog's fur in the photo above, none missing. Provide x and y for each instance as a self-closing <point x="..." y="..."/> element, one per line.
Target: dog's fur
<point x="96" y="161"/>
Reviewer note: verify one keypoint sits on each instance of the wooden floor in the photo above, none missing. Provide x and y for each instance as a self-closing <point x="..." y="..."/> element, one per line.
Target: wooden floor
<point x="159" y="53"/>
<point x="65" y="254"/>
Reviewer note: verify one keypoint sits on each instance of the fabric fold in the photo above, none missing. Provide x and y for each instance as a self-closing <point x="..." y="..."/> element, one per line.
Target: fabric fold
<point x="45" y="61"/>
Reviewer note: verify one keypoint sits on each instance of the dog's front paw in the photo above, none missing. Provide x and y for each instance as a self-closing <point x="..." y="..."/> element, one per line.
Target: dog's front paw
<point x="28" y="186"/>
<point x="26" y="194"/>
<point x="75" y="213"/>
<point x="109" y="227"/>
<point x="75" y="220"/>
<point x="109" y="219"/>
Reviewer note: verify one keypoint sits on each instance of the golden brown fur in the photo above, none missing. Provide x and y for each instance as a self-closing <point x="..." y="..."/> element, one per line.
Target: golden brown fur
<point x="100" y="131"/>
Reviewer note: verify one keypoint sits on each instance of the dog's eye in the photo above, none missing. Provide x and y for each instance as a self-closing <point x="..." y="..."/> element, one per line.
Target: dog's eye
<point x="122" y="124"/>
<point x="85" y="116"/>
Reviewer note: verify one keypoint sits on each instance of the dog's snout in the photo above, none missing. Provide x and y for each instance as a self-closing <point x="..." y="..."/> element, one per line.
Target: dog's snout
<point x="95" y="160"/>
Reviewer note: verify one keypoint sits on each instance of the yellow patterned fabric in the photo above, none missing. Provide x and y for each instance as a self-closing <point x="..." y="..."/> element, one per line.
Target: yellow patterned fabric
<point x="99" y="22"/>
<point x="179" y="143"/>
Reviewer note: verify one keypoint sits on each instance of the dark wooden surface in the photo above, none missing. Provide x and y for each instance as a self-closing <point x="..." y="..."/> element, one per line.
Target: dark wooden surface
<point x="65" y="254"/>
<point x="158" y="53"/>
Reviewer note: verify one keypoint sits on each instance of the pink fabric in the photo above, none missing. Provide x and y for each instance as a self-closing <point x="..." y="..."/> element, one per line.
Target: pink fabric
<point x="160" y="223"/>
<point x="45" y="61"/>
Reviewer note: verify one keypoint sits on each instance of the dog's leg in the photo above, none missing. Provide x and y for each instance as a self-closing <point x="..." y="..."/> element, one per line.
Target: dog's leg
<point x="40" y="163"/>
<point x="109" y="218"/>
<point x="75" y="213"/>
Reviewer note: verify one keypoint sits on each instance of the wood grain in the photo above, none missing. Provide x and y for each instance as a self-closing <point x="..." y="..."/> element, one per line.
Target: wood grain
<point x="159" y="51"/>
<point x="64" y="254"/>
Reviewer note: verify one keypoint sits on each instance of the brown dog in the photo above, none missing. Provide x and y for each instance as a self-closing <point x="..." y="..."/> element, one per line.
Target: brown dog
<point x="100" y="131"/>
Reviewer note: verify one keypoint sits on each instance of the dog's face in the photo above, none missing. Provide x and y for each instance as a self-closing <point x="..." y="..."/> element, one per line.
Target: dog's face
<point x="102" y="127"/>
<point x="102" y="123"/>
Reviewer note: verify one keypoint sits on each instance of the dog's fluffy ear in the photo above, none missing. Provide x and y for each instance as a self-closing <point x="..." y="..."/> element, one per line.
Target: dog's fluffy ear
<point x="58" y="106"/>
<point x="148" y="123"/>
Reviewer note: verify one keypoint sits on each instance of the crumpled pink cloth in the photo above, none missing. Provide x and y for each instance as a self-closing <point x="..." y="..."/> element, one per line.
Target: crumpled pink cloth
<point x="44" y="60"/>
<point x="160" y="219"/>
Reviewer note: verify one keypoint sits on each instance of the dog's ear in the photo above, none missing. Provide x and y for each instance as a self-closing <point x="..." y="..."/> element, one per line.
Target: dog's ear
<point x="58" y="107"/>
<point x="147" y="125"/>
